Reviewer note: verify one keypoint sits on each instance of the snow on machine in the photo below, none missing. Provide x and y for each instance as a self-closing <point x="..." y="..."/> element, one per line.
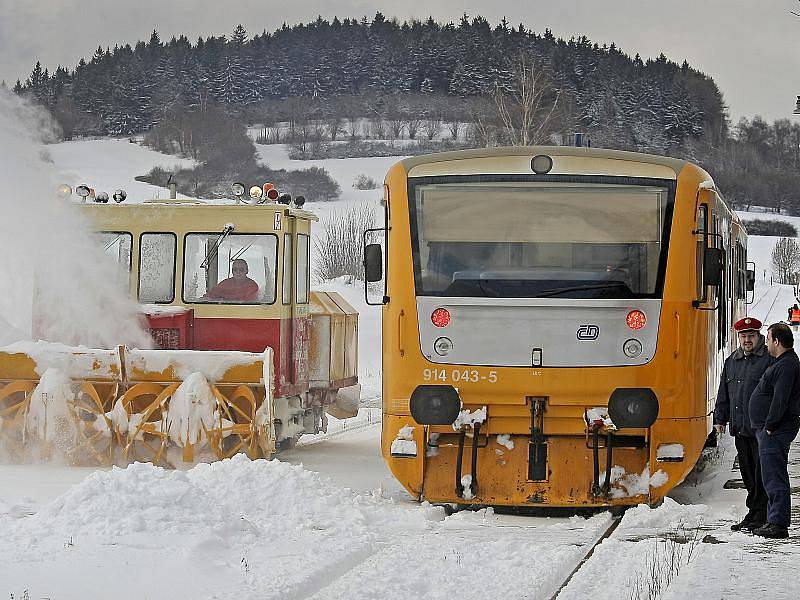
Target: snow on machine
<point x="246" y="357"/>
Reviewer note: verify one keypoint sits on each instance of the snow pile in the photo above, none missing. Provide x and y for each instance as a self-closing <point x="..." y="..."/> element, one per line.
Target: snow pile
<point x="504" y="439"/>
<point x="57" y="282"/>
<point x="74" y="361"/>
<point x="404" y="444"/>
<point x="665" y="517"/>
<point x="628" y="485"/>
<point x="468" y="419"/>
<point x="668" y="452"/>
<point x="210" y="363"/>
<point x="274" y="496"/>
<point x="140" y="499"/>
<point x="191" y="411"/>
<point x="47" y="417"/>
<point x="599" y="417"/>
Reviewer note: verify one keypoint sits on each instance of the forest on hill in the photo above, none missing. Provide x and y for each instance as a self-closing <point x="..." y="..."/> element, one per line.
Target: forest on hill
<point x="419" y="80"/>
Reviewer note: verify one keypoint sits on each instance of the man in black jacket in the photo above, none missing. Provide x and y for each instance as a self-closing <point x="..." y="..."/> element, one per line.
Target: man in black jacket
<point x="775" y="415"/>
<point x="740" y="376"/>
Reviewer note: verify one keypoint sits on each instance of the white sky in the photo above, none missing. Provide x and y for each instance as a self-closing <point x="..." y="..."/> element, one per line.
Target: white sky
<point x="750" y="48"/>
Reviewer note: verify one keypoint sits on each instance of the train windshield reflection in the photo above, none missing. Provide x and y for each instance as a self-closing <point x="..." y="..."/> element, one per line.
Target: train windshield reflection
<point x="531" y="239"/>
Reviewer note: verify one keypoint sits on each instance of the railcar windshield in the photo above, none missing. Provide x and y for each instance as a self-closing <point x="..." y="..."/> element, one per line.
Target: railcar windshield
<point x="536" y="240"/>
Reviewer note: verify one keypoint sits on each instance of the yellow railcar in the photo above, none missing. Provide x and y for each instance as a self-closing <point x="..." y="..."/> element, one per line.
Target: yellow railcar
<point x="555" y="323"/>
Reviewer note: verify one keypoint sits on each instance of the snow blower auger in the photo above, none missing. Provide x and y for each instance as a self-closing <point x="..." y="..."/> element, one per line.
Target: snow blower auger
<point x="120" y="406"/>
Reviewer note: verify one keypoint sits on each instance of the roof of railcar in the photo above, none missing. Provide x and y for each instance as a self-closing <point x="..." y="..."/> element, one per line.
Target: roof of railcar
<point x="673" y="163"/>
<point x="164" y="211"/>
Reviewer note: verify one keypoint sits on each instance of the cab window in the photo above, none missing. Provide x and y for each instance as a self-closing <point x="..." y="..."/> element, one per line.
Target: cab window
<point x="287" y="268"/>
<point x="157" y="267"/>
<point x="117" y="245"/>
<point x="303" y="272"/>
<point x="232" y="269"/>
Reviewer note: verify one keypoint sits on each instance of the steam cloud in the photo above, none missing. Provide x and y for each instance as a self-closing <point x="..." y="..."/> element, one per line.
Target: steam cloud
<point x="55" y="281"/>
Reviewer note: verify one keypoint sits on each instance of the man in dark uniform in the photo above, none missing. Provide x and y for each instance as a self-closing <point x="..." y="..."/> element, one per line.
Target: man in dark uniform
<point x="740" y="376"/>
<point x="775" y="415"/>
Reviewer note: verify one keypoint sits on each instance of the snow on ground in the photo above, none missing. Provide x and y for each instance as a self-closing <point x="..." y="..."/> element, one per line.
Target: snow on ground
<point x="328" y="520"/>
<point x="112" y="163"/>
<point x="268" y="529"/>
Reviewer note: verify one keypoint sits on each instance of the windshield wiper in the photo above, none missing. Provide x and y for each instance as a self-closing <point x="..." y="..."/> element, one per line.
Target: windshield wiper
<point x="211" y="254"/>
<point x="576" y="288"/>
<point x="112" y="242"/>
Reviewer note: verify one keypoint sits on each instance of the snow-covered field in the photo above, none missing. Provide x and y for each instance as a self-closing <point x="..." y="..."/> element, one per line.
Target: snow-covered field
<point x="327" y="520"/>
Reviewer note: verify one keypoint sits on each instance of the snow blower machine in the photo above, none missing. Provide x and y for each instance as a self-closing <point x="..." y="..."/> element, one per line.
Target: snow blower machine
<point x="246" y="357"/>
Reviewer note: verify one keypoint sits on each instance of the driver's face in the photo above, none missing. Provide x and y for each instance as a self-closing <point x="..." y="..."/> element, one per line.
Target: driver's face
<point x="239" y="271"/>
<point x="747" y="340"/>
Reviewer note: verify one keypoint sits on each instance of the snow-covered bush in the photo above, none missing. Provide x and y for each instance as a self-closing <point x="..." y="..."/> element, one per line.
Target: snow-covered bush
<point x="364" y="182"/>
<point x="339" y="247"/>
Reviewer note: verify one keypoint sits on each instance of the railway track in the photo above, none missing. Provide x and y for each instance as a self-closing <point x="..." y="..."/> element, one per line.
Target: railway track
<point x="755" y="307"/>
<point x="588" y="554"/>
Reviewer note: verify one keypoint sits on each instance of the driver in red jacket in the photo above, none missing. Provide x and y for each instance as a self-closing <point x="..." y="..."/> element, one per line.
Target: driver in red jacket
<point x="239" y="288"/>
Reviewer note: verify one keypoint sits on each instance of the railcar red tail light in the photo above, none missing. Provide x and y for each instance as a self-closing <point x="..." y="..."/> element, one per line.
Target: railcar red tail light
<point x="440" y="317"/>
<point x="636" y="319"/>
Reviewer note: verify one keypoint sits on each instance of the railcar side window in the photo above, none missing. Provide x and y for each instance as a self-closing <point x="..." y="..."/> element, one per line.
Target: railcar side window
<point x="117" y="245"/>
<point x="287" y="268"/>
<point x="157" y="267"/>
<point x="303" y="268"/>
<point x="232" y="269"/>
<point x="702" y="242"/>
<point x="741" y="271"/>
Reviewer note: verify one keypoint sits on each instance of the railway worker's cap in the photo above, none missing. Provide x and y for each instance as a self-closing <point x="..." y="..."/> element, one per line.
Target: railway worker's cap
<point x="747" y="324"/>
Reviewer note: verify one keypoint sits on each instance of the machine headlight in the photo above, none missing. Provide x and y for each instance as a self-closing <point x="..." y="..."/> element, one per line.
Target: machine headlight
<point x="64" y="191"/>
<point x="435" y="404"/>
<point x="83" y="191"/>
<point x="633" y="407"/>
<point x="256" y="193"/>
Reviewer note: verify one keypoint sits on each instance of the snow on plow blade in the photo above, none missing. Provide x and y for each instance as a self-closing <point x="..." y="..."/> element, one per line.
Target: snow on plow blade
<point x="107" y="406"/>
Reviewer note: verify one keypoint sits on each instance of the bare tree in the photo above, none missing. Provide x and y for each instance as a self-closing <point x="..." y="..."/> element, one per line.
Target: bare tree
<point x="432" y="125"/>
<point x="454" y="126"/>
<point x="525" y="104"/>
<point x="786" y="260"/>
<point x="481" y="130"/>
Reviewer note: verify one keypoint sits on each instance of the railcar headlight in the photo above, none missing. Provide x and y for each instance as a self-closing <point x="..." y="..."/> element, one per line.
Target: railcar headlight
<point x="632" y="348"/>
<point x="541" y="164"/>
<point x="119" y="196"/>
<point x="435" y="404"/>
<point x="443" y="346"/>
<point x="299" y="201"/>
<point x="102" y="197"/>
<point x="237" y="189"/>
<point x="633" y="407"/>
<point x="83" y="191"/>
